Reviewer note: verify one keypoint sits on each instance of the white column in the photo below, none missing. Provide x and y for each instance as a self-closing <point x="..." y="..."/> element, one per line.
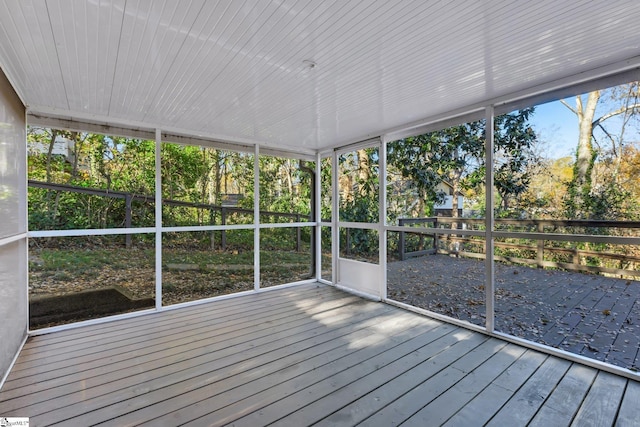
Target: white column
<point x="318" y="217"/>
<point x="382" y="222"/>
<point x="158" y="222"/>
<point x="335" y="236"/>
<point x="489" y="284"/>
<point x="256" y="218"/>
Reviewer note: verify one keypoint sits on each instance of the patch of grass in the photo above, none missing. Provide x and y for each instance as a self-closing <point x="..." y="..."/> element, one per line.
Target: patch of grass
<point x="62" y="276"/>
<point x="77" y="262"/>
<point x="206" y="257"/>
<point x="72" y="269"/>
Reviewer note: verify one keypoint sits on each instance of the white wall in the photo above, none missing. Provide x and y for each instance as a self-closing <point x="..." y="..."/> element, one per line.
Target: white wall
<point x="13" y="225"/>
<point x="448" y="203"/>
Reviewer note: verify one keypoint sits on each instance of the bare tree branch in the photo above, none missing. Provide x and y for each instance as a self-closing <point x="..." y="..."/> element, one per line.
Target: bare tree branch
<point x="573" y="110"/>
<point x="608" y="135"/>
<point x="615" y="113"/>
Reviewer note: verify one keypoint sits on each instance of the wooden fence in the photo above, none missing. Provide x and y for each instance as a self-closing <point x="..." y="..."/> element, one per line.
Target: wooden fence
<point x="543" y="233"/>
<point x="128" y="198"/>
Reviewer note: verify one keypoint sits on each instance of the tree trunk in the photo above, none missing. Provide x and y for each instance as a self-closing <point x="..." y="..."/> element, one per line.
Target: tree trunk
<point x="289" y="177"/>
<point x="345" y="187"/>
<point x="217" y="179"/>
<point x="420" y="206"/>
<point x="77" y="147"/>
<point x="584" y="152"/>
<point x="454" y="201"/>
<point x="52" y="208"/>
<point x="585" y="158"/>
<point x="364" y="171"/>
<point x="504" y="197"/>
<point x="54" y="135"/>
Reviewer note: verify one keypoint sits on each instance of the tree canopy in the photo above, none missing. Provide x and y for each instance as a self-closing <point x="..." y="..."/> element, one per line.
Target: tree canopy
<point x="456" y="155"/>
<point x="600" y="182"/>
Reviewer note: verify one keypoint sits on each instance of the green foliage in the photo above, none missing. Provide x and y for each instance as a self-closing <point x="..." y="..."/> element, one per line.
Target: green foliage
<point x="606" y="201"/>
<point x="513" y="139"/>
<point x="359" y="184"/>
<point x="190" y="174"/>
<point x="359" y="201"/>
<point x="456" y="155"/>
<point x="93" y="161"/>
<point x="182" y="168"/>
<point x="359" y="243"/>
<point x="360" y="209"/>
<point x="326" y="190"/>
<point x="577" y="201"/>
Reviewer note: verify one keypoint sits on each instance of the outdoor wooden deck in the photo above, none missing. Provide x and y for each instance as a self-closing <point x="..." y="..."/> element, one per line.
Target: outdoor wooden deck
<point x="300" y="356"/>
<point x="586" y="314"/>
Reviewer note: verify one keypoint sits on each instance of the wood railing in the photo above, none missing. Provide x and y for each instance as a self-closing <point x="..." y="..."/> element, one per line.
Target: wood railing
<point x="512" y="237"/>
<point x="225" y="211"/>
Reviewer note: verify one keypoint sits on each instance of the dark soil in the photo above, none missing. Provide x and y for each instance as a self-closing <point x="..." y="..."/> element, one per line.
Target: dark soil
<point x="49" y="310"/>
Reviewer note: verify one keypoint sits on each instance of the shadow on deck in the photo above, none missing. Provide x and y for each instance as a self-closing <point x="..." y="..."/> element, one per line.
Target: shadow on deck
<point x="585" y="314"/>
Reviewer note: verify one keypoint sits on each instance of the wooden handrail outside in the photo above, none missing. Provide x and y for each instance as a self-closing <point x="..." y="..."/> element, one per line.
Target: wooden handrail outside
<point x="129" y="197"/>
<point x="539" y="248"/>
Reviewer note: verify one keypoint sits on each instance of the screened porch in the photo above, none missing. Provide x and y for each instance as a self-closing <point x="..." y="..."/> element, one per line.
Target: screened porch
<point x="299" y="213"/>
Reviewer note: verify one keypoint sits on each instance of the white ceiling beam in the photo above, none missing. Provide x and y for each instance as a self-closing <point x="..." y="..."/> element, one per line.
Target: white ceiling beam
<point x="84" y="123"/>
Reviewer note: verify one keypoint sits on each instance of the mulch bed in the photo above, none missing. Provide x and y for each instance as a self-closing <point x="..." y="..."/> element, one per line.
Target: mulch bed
<point x="52" y="310"/>
<point x="591" y="315"/>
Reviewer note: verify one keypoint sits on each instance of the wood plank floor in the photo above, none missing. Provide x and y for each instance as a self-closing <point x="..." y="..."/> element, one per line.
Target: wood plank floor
<point x="307" y="355"/>
<point x="594" y="316"/>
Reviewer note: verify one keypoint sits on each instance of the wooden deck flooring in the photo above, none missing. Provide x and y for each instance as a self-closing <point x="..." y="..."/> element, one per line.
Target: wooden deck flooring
<point x="590" y="315"/>
<point x="308" y="355"/>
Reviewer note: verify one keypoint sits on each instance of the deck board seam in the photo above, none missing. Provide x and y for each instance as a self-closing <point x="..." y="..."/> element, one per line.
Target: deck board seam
<point x="88" y="357"/>
<point x="514" y="392"/>
<point x="550" y="393"/>
<point x="287" y="367"/>
<point x="541" y="403"/>
<point x="309" y="354"/>
<point x="584" y="398"/>
<point x="624" y="393"/>
<point x="164" y="333"/>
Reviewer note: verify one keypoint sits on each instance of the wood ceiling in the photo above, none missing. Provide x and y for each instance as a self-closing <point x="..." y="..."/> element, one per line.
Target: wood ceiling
<point x="239" y="70"/>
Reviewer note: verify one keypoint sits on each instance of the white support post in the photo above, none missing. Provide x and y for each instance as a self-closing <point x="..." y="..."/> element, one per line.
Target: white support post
<point x="335" y="235"/>
<point x="318" y="217"/>
<point x="24" y="208"/>
<point x="158" y="222"/>
<point x="489" y="285"/>
<point x="382" y="222"/>
<point x="256" y="218"/>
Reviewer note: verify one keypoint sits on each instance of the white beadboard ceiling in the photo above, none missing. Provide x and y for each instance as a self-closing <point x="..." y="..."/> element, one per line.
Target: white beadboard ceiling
<point x="235" y="70"/>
